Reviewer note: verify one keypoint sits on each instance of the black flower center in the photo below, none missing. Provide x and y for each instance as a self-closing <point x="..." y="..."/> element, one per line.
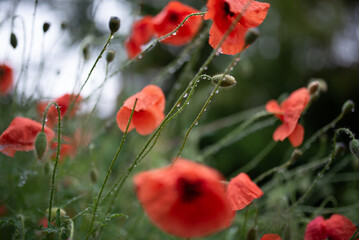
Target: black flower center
<point x="173" y="17"/>
<point x="227" y="10"/>
<point x="189" y="190"/>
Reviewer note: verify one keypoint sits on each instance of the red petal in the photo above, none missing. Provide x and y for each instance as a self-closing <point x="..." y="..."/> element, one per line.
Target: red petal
<point x="146" y="122"/>
<point x="255" y="14"/>
<point x="273" y="107"/>
<point x="295" y="104"/>
<point x="122" y="118"/>
<point x="142" y="31"/>
<point x="297" y="136"/>
<point x="315" y="230"/>
<point x="282" y="132"/>
<point x="338" y="227"/>
<point x="132" y="48"/>
<point x="241" y="191"/>
<point x="271" y="236"/>
<point x="6" y="79"/>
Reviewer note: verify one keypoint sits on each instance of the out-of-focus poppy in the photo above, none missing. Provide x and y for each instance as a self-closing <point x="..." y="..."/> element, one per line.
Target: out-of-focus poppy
<point x="64" y="103"/>
<point x="6" y="79"/>
<point x="3" y="210"/>
<point x="271" y="236"/>
<point x="289" y="113"/>
<point x="21" y="135"/>
<point x="186" y="199"/>
<point x="142" y="32"/>
<point x="337" y="227"/>
<point x="242" y="191"/>
<point x="148" y="113"/>
<point x="224" y="12"/>
<point x="170" y="17"/>
<point x="67" y="148"/>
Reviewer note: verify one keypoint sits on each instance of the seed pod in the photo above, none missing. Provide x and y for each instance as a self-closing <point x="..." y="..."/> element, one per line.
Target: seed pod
<point x="313" y="87"/>
<point x="251" y="36"/>
<point x="296" y="154"/>
<point x="40" y="145"/>
<point x="110" y="56"/>
<point x="227" y="81"/>
<point x="114" y="24"/>
<point x="354" y="147"/>
<point x="13" y="40"/>
<point x="348" y="107"/>
<point x="45" y="27"/>
<point x="252" y="234"/>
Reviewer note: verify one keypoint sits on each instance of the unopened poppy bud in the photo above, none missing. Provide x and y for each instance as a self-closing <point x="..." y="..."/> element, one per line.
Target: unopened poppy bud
<point x="110" y="56"/>
<point x="227" y="81"/>
<point x="114" y="24"/>
<point x="40" y="145"/>
<point x="322" y="85"/>
<point x="251" y="36"/>
<point x="296" y="154"/>
<point x="45" y="27"/>
<point x="94" y="175"/>
<point x="86" y="51"/>
<point x="313" y="87"/>
<point x="13" y="40"/>
<point x="354" y="147"/>
<point x="252" y="234"/>
<point x="348" y="107"/>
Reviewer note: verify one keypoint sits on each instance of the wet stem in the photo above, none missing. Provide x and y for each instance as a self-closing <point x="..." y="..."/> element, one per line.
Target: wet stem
<point x="97" y="201"/>
<point x="52" y="192"/>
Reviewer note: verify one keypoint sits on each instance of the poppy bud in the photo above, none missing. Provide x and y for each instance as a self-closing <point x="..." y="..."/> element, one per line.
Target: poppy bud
<point x="114" y="24"/>
<point x="86" y="51"/>
<point x="322" y="85"/>
<point x="110" y="56"/>
<point x="348" y="107"/>
<point x="252" y="234"/>
<point x="339" y="148"/>
<point x="13" y="40"/>
<point x="296" y="154"/>
<point x="251" y="36"/>
<point x="313" y="87"/>
<point x="227" y="81"/>
<point x="54" y="210"/>
<point x="94" y="175"/>
<point x="354" y="147"/>
<point x="45" y="27"/>
<point x="40" y="145"/>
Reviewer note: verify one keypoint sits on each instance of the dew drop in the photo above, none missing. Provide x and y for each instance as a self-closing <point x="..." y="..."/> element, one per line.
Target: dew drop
<point x="217" y="91"/>
<point x="196" y="123"/>
<point x="185" y="95"/>
<point x="187" y="103"/>
<point x="205" y="68"/>
<point x="174" y="34"/>
<point x="231" y="69"/>
<point x="178" y="104"/>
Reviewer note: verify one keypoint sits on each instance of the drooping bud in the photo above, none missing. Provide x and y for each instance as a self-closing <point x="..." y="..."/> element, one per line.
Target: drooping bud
<point x="348" y="107"/>
<point x="296" y="154"/>
<point x="94" y="175"/>
<point x="110" y="56"/>
<point x="13" y="40"/>
<point x="86" y="51"/>
<point x="252" y="234"/>
<point x="339" y="148"/>
<point x="313" y="87"/>
<point x="227" y="81"/>
<point x="45" y="27"/>
<point x="323" y="85"/>
<point x="251" y="36"/>
<point x="114" y="24"/>
<point x="354" y="147"/>
<point x="40" y="145"/>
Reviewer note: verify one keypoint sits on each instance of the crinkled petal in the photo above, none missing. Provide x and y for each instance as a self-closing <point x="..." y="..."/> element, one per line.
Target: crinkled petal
<point x="241" y="191"/>
<point x="338" y="227"/>
<point x="315" y="230"/>
<point x="297" y="136"/>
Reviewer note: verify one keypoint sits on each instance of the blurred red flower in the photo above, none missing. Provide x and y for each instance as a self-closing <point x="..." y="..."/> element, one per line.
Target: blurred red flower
<point x="148" y="112"/>
<point x="289" y="113"/>
<point x="170" y="17"/>
<point x="142" y="32"/>
<point x="224" y="12"/>
<point x="242" y="191"/>
<point x="186" y="199"/>
<point x="6" y="79"/>
<point x="67" y="148"/>
<point x="3" y="210"/>
<point x="337" y="227"/>
<point x="271" y="236"/>
<point x="21" y="135"/>
<point x="64" y="103"/>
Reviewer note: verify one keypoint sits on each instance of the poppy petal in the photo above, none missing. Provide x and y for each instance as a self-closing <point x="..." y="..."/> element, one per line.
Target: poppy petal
<point x="297" y="136"/>
<point x="147" y="121"/>
<point x="315" y="230"/>
<point x="255" y="14"/>
<point x="282" y="132"/>
<point x="271" y="236"/>
<point x="6" y="79"/>
<point x="338" y="227"/>
<point x="273" y="107"/>
<point x="132" y="48"/>
<point x="122" y="118"/>
<point x="241" y="191"/>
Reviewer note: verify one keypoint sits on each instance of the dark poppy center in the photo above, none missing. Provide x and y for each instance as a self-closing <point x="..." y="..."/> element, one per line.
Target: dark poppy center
<point x="173" y="17"/>
<point x="2" y="72"/>
<point x="227" y="10"/>
<point x="189" y="190"/>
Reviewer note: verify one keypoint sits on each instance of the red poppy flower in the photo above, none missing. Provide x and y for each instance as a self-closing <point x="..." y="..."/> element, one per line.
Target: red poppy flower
<point x="224" y="12"/>
<point x="64" y="103"/>
<point x="170" y="17"/>
<point x="142" y="32"/>
<point x="242" y="191"/>
<point x="3" y="210"/>
<point x="43" y="222"/>
<point x="6" y="79"/>
<point x="289" y="113"/>
<point x="21" y="135"/>
<point x="337" y="227"/>
<point x="271" y="236"/>
<point x="67" y="148"/>
<point x="186" y="199"/>
<point x="148" y="112"/>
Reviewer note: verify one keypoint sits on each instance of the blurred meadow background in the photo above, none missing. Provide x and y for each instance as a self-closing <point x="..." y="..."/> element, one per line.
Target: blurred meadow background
<point x="299" y="41"/>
